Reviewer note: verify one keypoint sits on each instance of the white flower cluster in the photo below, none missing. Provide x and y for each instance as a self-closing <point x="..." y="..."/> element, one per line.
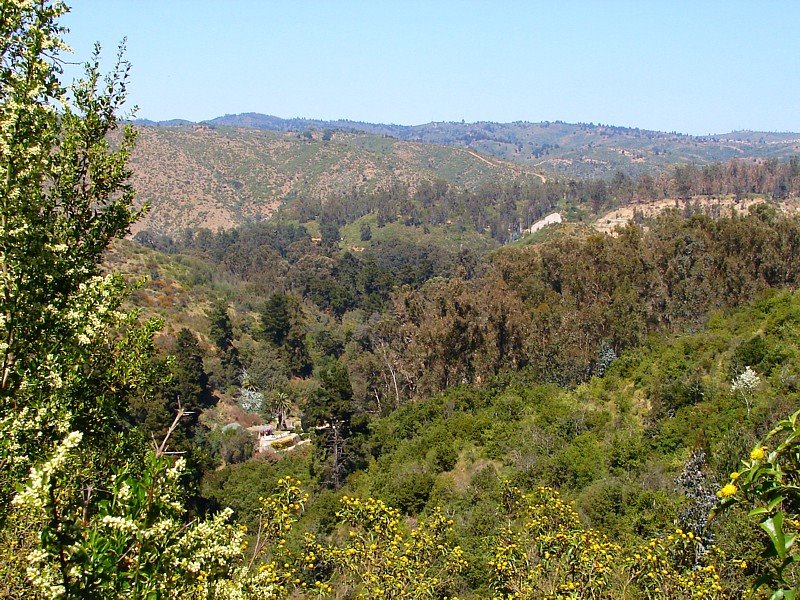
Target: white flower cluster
<point x="124" y="492"/>
<point x="34" y="496"/>
<point x="176" y="470"/>
<point x="92" y="310"/>
<point x="746" y="381"/>
<point x="43" y="577"/>
<point x="119" y="524"/>
<point x="210" y="543"/>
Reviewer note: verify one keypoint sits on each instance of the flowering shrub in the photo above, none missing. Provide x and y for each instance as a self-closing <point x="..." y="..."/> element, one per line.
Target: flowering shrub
<point x="545" y="552"/>
<point x="133" y="542"/>
<point x="378" y="559"/>
<point x="668" y="568"/>
<point x="91" y="514"/>
<point x="746" y="383"/>
<point x="268" y="574"/>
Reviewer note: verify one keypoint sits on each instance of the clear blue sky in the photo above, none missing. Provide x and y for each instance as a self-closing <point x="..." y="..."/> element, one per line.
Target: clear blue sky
<point x="689" y="66"/>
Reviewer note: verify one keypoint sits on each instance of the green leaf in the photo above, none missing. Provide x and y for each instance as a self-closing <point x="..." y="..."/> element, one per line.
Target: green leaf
<point x="774" y="528"/>
<point x="783" y="595"/>
<point x="774" y="502"/>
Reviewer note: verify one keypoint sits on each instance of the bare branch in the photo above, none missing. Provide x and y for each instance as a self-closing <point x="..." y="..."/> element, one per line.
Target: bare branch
<point x="161" y="450"/>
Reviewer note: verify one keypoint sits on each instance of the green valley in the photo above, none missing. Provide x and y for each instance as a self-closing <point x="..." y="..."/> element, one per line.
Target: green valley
<point x="255" y="358"/>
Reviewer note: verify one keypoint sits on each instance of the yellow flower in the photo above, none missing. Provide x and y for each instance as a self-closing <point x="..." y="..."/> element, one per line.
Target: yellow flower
<point x="735" y="475"/>
<point x="727" y="490"/>
<point x="757" y="453"/>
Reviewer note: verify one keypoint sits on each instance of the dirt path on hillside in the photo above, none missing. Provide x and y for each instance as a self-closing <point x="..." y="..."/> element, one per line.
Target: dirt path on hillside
<point x="479" y="157"/>
<point x="493" y="165"/>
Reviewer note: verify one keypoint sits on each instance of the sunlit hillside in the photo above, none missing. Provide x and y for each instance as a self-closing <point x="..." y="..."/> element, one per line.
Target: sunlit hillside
<point x="222" y="177"/>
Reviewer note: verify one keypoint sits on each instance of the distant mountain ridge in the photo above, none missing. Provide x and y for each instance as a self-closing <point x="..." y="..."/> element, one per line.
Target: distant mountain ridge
<point x="273" y="123"/>
<point x="577" y="150"/>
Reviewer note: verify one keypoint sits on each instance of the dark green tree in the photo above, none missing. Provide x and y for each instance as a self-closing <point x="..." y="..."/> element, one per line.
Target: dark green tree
<point x="276" y="319"/>
<point x="220" y="328"/>
<point x="189" y="385"/>
<point x="330" y="411"/>
<point x="221" y="334"/>
<point x="329" y="231"/>
<point x="282" y="325"/>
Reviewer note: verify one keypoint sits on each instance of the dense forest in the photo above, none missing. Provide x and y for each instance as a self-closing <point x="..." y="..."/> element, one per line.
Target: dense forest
<point x="433" y="411"/>
<point x="412" y="324"/>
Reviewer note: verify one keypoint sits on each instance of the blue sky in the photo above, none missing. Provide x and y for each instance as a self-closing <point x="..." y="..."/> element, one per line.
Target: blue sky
<point x="690" y="66"/>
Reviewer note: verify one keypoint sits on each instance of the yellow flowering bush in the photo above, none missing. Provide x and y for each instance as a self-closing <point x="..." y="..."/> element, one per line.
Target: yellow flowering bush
<point x="768" y="485"/>
<point x="545" y="552"/>
<point x="268" y="573"/>
<point x="669" y="568"/>
<point x="377" y="557"/>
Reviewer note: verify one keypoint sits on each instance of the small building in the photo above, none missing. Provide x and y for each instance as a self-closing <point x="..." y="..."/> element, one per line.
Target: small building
<point x="550" y="219"/>
<point x="270" y="438"/>
<point x="262" y="433"/>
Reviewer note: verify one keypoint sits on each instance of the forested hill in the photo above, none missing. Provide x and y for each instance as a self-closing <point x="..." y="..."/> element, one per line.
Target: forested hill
<point x="598" y="365"/>
<point x="579" y="150"/>
<point x="222" y="177"/>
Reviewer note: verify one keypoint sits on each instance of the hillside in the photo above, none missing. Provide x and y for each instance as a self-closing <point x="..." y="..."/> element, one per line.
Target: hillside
<point x="595" y="365"/>
<point x="578" y="150"/>
<point x="223" y="177"/>
<point x="617" y="444"/>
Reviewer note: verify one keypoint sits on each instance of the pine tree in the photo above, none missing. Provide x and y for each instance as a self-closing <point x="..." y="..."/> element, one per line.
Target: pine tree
<point x="276" y="318"/>
<point x="189" y="385"/>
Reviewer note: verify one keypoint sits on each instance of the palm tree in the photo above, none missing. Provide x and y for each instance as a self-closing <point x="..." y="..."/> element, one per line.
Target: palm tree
<point x="281" y="403"/>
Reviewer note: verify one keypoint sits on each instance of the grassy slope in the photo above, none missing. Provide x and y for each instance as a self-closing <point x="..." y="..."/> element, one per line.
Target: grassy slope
<point x="178" y="289"/>
<point x="448" y="237"/>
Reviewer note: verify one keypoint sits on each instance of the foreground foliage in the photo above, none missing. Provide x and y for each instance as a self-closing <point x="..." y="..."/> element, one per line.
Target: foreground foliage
<point x="768" y="485"/>
<point x="545" y="552"/>
<point x="97" y="516"/>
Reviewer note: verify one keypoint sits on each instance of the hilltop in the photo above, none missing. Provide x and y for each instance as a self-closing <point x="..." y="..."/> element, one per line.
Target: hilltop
<point x="577" y="150"/>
